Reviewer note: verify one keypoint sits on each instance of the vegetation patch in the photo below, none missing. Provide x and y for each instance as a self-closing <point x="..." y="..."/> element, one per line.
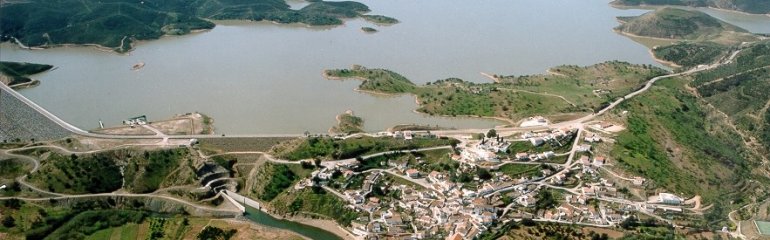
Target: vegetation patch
<point x="666" y="142"/>
<point x="331" y="148"/>
<point x="14" y="73"/>
<point x="148" y="171"/>
<point x="569" y="89"/>
<point x="689" y="54"/>
<point x="315" y="201"/>
<point x="273" y="180"/>
<point x="347" y="123"/>
<point x="675" y="23"/>
<point x="98" y="173"/>
<point x="376" y="80"/>
<point x="379" y="19"/>
<point x="13" y="168"/>
<point x="517" y="171"/>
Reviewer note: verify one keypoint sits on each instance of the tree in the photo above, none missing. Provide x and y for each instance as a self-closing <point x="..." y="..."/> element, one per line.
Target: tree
<point x="491" y="133"/>
<point x="9" y="221"/>
<point x="483" y="174"/>
<point x="545" y="200"/>
<point x="317" y="162"/>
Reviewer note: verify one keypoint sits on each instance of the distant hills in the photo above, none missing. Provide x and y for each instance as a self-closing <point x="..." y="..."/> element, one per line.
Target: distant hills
<point x="116" y="24"/>
<point x="673" y="23"/>
<point x="747" y="6"/>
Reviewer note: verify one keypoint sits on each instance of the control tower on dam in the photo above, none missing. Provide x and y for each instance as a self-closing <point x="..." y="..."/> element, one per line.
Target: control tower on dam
<point x="21" y="122"/>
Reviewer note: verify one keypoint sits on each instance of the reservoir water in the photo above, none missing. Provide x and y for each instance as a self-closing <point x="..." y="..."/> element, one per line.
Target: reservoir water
<point x="259" y="77"/>
<point x="308" y="231"/>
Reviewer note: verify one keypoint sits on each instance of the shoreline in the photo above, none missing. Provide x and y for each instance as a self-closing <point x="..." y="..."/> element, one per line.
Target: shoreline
<point x="664" y="62"/>
<point x="627" y="34"/>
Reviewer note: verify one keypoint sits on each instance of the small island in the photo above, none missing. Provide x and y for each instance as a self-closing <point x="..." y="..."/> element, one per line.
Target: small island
<point x="16" y="74"/>
<point x="117" y="25"/>
<point x="368" y="30"/>
<point x="347" y="123"/>
<point x="379" y="19"/>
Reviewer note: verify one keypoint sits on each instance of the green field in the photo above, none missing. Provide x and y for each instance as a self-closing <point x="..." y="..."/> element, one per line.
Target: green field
<point x="516" y="171"/>
<point x="763" y="227"/>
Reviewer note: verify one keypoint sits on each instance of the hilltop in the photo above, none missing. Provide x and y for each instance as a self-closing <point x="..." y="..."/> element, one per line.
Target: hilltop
<point x="747" y="6"/>
<point x="116" y="25"/>
<point x="673" y="23"/>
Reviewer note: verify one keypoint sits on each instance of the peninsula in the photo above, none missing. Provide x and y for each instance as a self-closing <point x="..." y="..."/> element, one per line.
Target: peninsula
<point x="567" y="90"/>
<point x="16" y="74"/>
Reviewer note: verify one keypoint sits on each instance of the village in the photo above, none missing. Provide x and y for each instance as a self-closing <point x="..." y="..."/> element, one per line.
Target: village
<point x="557" y="175"/>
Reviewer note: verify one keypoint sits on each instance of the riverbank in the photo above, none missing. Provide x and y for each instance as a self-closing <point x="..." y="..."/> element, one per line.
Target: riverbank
<point x="285" y="222"/>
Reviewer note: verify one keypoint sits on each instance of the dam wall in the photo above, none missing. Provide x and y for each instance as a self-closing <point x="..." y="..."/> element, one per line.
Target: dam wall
<point x="20" y="122"/>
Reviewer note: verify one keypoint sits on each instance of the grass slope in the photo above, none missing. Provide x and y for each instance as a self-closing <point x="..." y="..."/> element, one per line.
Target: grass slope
<point x="739" y="90"/>
<point x="672" y="140"/>
<point x="674" y="23"/>
<point x="116" y="24"/>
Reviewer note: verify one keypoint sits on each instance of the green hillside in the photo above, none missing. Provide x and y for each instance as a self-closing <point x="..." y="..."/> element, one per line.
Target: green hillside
<point x="689" y="54"/>
<point x="13" y="73"/>
<point x="673" y="23"/>
<point x="567" y="90"/>
<point x="116" y="24"/>
<point x="740" y="91"/>
<point x="748" y="6"/>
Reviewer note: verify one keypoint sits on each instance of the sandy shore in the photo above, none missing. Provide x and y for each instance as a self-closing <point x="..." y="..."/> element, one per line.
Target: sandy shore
<point x="664" y="62"/>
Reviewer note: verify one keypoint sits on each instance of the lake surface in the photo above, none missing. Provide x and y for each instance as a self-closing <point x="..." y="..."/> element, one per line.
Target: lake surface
<point x="258" y="77"/>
